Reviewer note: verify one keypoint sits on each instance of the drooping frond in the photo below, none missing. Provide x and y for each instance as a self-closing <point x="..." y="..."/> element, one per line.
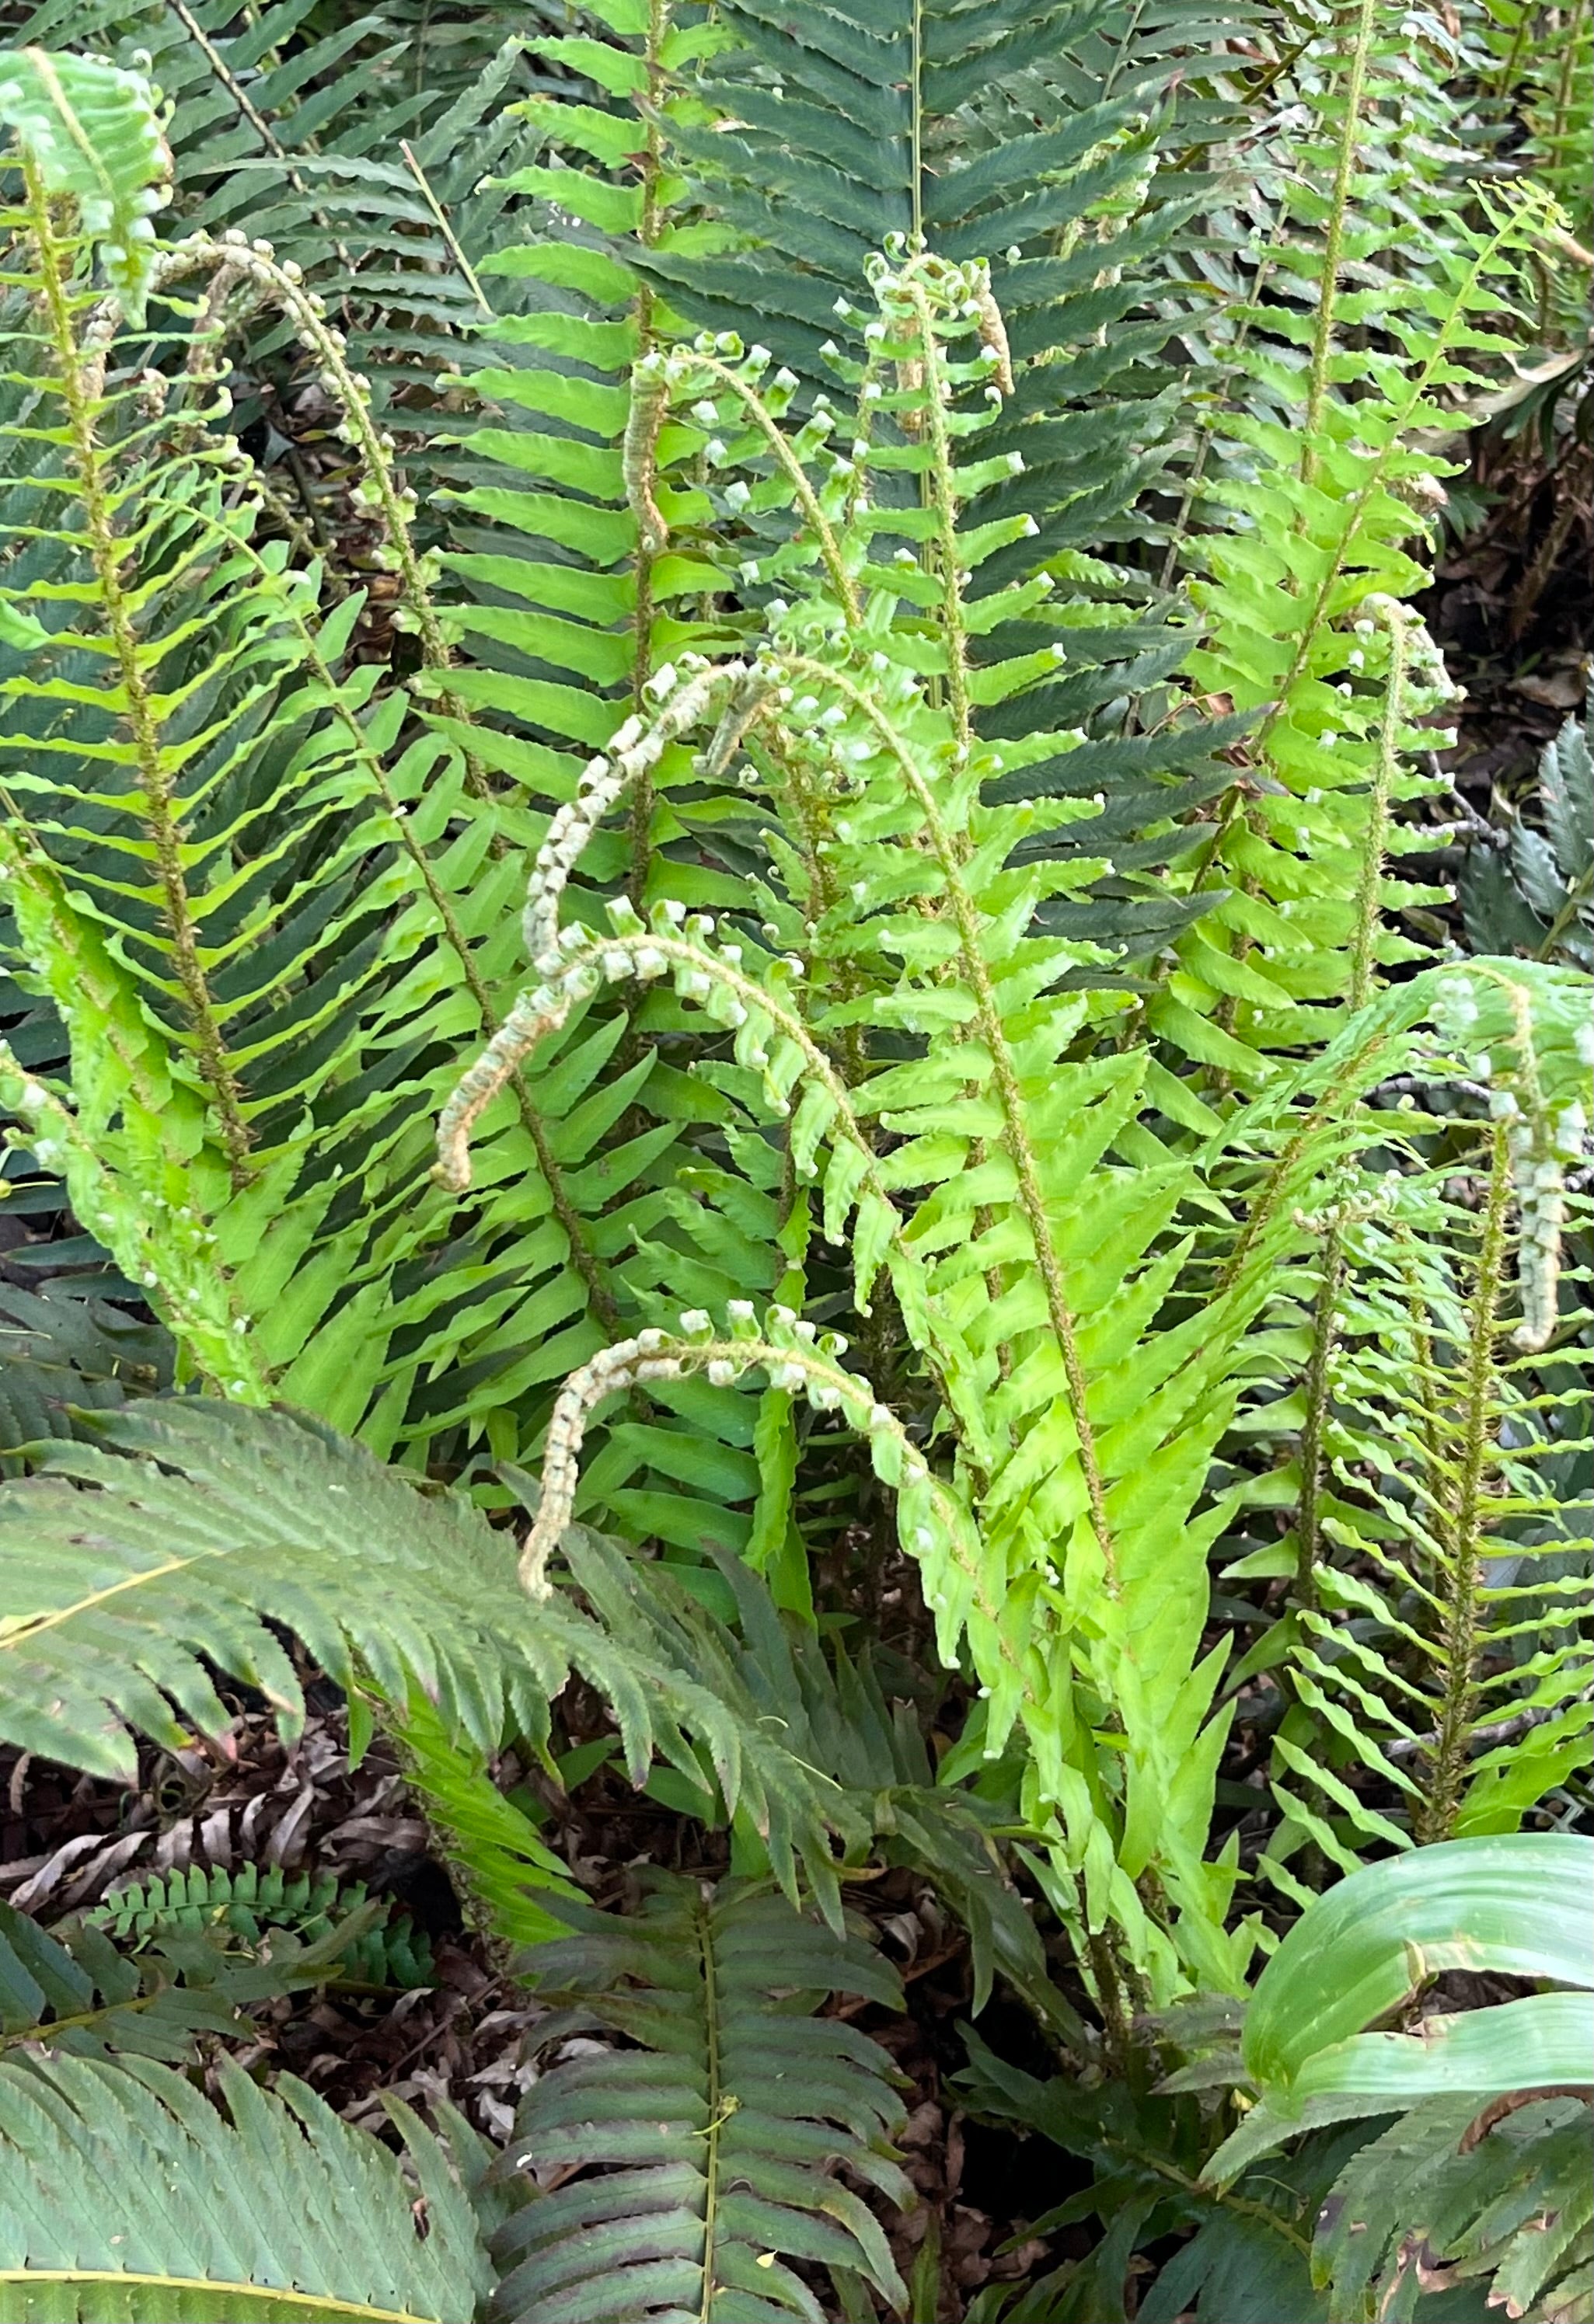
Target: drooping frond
<point x="208" y="1524"/>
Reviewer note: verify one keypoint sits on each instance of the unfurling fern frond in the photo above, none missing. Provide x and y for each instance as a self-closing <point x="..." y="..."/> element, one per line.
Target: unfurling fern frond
<point x="703" y="2161"/>
<point x="901" y="1022"/>
<point x="83" y="2143"/>
<point x="354" y="152"/>
<point x="1033" y="139"/>
<point x="208" y="1524"/>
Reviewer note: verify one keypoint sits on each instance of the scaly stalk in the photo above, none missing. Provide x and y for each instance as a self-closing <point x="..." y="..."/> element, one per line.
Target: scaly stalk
<point x="108" y="553"/>
<point x="1319" y="1372"/>
<point x="1325" y="1323"/>
<point x="941" y="494"/>
<point x="718" y="2106"/>
<point x="1016" y="1135"/>
<point x="1463" y="1536"/>
<point x="1397" y="621"/>
<point x="1322" y="338"/>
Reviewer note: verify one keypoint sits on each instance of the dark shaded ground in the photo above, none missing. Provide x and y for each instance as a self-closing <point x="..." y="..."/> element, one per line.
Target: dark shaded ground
<point x="1513" y="602"/>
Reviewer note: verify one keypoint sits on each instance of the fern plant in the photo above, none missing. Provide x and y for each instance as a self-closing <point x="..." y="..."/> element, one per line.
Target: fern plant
<point x="1048" y="1545"/>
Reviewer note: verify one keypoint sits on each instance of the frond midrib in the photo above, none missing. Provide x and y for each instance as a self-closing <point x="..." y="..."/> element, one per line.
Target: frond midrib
<point x="314" y="2304"/>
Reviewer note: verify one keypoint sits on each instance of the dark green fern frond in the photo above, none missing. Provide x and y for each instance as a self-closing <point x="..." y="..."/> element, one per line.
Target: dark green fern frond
<point x="62" y="1347"/>
<point x="209" y="1522"/>
<point x="70" y="1992"/>
<point x="1535" y="892"/>
<point x="362" y="1941"/>
<point x="83" y="2143"/>
<point x="707" y="2158"/>
<point x="1509" y="2202"/>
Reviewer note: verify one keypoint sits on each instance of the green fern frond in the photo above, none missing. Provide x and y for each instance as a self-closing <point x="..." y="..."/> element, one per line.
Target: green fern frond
<point x="495" y="1854"/>
<point x="258" y="920"/>
<point x="212" y="1522"/>
<point x="1506" y="2202"/>
<point x="1447" y="1646"/>
<point x="1319" y="524"/>
<point x="82" y="2143"/>
<point x="376" y="1946"/>
<point x="70" y="1992"/>
<point x="63" y="1346"/>
<point x="708" y="2154"/>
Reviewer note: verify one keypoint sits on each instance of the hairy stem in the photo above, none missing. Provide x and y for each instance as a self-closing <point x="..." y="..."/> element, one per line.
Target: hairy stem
<point x="1016" y="1129"/>
<point x="819" y="525"/>
<point x="304" y="311"/>
<point x="1463" y="1536"/>
<point x="940" y="484"/>
<point x="1322" y="340"/>
<point x="1319" y="1370"/>
<point x="1376" y="837"/>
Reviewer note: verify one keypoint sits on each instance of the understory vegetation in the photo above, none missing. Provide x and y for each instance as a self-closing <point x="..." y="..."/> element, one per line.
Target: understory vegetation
<point x="797" y="909"/>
